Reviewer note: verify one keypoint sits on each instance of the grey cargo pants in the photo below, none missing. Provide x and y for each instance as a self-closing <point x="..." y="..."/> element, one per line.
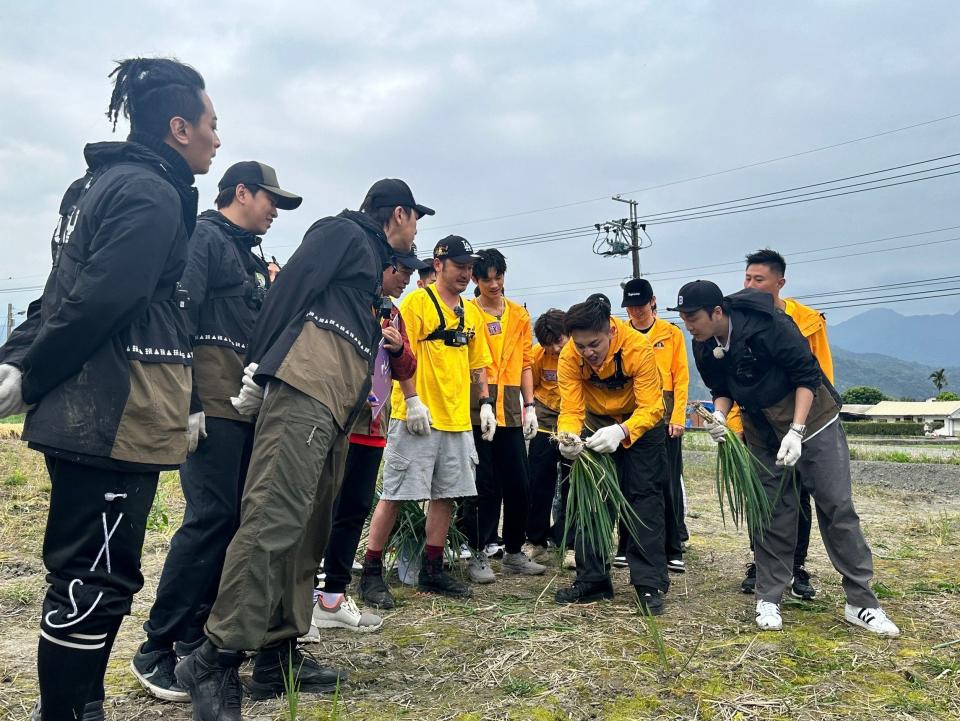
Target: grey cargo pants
<point x="824" y="470"/>
<point x="296" y="467"/>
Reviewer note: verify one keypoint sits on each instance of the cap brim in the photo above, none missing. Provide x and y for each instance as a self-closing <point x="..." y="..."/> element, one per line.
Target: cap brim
<point x="285" y="200"/>
<point x="684" y="309"/>
<point x="461" y="258"/>
<point x="423" y="210"/>
<point x="632" y="302"/>
<point x="412" y="262"/>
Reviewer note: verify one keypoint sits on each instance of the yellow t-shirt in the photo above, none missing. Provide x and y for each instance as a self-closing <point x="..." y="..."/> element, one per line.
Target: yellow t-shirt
<point x="443" y="372"/>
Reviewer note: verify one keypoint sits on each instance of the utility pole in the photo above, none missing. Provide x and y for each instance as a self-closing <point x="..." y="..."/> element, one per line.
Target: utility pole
<point x="634" y="233"/>
<point x="9" y="319"/>
<point x="621" y="236"/>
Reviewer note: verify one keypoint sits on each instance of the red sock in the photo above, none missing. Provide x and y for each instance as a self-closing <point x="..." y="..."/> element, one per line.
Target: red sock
<point x="372" y="556"/>
<point x="434" y="552"/>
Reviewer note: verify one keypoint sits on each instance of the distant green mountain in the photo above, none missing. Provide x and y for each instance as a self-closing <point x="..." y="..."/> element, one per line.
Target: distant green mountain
<point x="897" y="378"/>
<point x="925" y="339"/>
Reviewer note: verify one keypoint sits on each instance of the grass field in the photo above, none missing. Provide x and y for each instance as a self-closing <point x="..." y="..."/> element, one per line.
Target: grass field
<point x="511" y="653"/>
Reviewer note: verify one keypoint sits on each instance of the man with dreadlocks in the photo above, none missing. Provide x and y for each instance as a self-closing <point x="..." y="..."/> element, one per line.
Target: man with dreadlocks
<point x="227" y="281"/>
<point x="102" y="367"/>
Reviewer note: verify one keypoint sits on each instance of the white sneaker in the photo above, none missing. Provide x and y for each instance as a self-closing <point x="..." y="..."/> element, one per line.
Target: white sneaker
<point x="313" y="635"/>
<point x="479" y="568"/>
<point x="465" y="552"/>
<point x="570" y="560"/>
<point x="345" y="615"/>
<point x="872" y="619"/>
<point x="768" y="616"/>
<point x="493" y="550"/>
<point x="357" y="566"/>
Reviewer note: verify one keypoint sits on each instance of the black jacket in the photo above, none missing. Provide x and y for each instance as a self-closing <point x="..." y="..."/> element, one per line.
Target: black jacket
<point x="768" y="360"/>
<point x="227" y="283"/>
<point x="333" y="280"/>
<point x="105" y="353"/>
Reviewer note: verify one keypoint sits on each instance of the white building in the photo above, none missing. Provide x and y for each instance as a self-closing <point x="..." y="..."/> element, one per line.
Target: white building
<point x="931" y="413"/>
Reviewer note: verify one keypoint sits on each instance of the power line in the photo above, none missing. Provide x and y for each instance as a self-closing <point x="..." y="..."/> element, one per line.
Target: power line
<point x="703" y="176"/>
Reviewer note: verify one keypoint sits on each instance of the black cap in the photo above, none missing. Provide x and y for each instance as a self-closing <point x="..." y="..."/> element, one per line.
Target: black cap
<point x="456" y="249"/>
<point x="698" y="294"/>
<point x="409" y="259"/>
<point x="637" y="291"/>
<point x="391" y="192"/>
<point x="251" y="173"/>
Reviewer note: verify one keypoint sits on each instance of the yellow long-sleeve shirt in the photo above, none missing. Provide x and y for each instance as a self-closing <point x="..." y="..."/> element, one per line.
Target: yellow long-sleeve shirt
<point x="637" y="403"/>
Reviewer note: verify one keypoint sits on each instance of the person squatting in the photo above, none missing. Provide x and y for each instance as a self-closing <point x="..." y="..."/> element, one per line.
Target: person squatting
<point x="165" y="340"/>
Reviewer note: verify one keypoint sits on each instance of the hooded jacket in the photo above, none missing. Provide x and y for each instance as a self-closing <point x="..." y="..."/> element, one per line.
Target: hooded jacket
<point x="767" y="361"/>
<point x="318" y="329"/>
<point x="105" y="353"/>
<point x="227" y="283"/>
<point x="626" y="387"/>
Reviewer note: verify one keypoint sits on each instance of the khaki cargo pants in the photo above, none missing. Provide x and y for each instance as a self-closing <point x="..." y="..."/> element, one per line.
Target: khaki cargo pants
<point x="296" y="467"/>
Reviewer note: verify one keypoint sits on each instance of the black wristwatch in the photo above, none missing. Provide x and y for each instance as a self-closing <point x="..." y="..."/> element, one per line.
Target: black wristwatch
<point x="487" y="401"/>
<point x="529" y="405"/>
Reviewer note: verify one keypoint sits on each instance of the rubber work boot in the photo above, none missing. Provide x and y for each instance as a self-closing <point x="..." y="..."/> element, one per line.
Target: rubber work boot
<point x="434" y="579"/>
<point x="372" y="588"/>
<point x="585" y="592"/>
<point x="273" y="666"/>
<point x="212" y="679"/>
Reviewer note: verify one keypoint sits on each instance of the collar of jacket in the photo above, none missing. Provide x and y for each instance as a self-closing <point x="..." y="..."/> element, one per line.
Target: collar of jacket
<point x="175" y="169"/>
<point x="373" y="230"/>
<point x="232" y="229"/>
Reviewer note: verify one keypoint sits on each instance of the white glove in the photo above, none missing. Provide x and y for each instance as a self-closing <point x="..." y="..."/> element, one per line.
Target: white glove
<point x="418" y="417"/>
<point x="571" y="448"/>
<point x="11" y="394"/>
<point x="789" y="452"/>
<point x="250" y="399"/>
<point x="196" y="429"/>
<point x="717" y="430"/>
<point x="607" y="439"/>
<point x="530" y="424"/>
<point x="488" y="422"/>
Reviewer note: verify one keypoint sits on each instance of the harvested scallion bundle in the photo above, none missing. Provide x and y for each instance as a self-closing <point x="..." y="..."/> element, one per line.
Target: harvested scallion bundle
<point x="595" y="502"/>
<point x="738" y="481"/>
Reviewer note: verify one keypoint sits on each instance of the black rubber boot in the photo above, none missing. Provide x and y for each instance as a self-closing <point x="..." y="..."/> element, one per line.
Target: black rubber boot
<point x="273" y="667"/>
<point x="212" y="679"/>
<point x="372" y="588"/>
<point x="649" y="600"/>
<point x="585" y="592"/>
<point x="434" y="579"/>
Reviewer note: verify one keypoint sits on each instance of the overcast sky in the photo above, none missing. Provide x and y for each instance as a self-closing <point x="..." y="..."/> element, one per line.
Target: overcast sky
<point x="499" y="108"/>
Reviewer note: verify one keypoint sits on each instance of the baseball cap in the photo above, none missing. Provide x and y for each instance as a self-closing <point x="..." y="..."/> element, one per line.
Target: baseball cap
<point x="391" y="192"/>
<point x="456" y="249"/>
<point x="637" y="291"/>
<point x="698" y="294"/>
<point x="250" y="173"/>
<point x="410" y="260"/>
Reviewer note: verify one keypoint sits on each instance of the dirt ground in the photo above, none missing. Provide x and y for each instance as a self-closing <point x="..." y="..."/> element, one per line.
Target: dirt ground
<point x="511" y="653"/>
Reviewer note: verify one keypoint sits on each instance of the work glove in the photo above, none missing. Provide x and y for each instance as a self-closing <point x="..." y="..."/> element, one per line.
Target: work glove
<point x="570" y="447"/>
<point x="488" y="422"/>
<point x="717" y="430"/>
<point x="789" y="452"/>
<point x="196" y="429"/>
<point x="530" y="424"/>
<point x="250" y="399"/>
<point x="11" y="393"/>
<point x="607" y="439"/>
<point x="418" y="417"/>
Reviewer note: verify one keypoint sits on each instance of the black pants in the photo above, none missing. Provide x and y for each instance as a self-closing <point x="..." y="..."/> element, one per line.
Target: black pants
<point x="643" y="471"/>
<point x="212" y="479"/>
<point x="350" y="510"/>
<point x="501" y="477"/>
<point x="545" y="461"/>
<point x="674" y="527"/>
<point x="91" y="549"/>
<point x="804" y="526"/>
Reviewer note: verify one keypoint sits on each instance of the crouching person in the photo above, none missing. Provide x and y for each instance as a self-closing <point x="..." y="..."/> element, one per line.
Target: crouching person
<point x="751" y="353"/>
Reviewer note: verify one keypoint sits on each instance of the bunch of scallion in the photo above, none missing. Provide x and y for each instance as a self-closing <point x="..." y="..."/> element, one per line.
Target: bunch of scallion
<point x="595" y="502"/>
<point x="738" y="481"/>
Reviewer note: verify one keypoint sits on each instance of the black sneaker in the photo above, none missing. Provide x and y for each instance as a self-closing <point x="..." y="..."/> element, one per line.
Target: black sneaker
<point x="372" y="588"/>
<point x="154" y="671"/>
<point x="585" y="592"/>
<point x="749" y="583"/>
<point x="93" y="711"/>
<point x="212" y="679"/>
<point x="649" y="600"/>
<point x="802" y="588"/>
<point x="620" y="561"/>
<point x="676" y="565"/>
<point x="185" y="648"/>
<point x="272" y="667"/>
<point x="434" y="579"/>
